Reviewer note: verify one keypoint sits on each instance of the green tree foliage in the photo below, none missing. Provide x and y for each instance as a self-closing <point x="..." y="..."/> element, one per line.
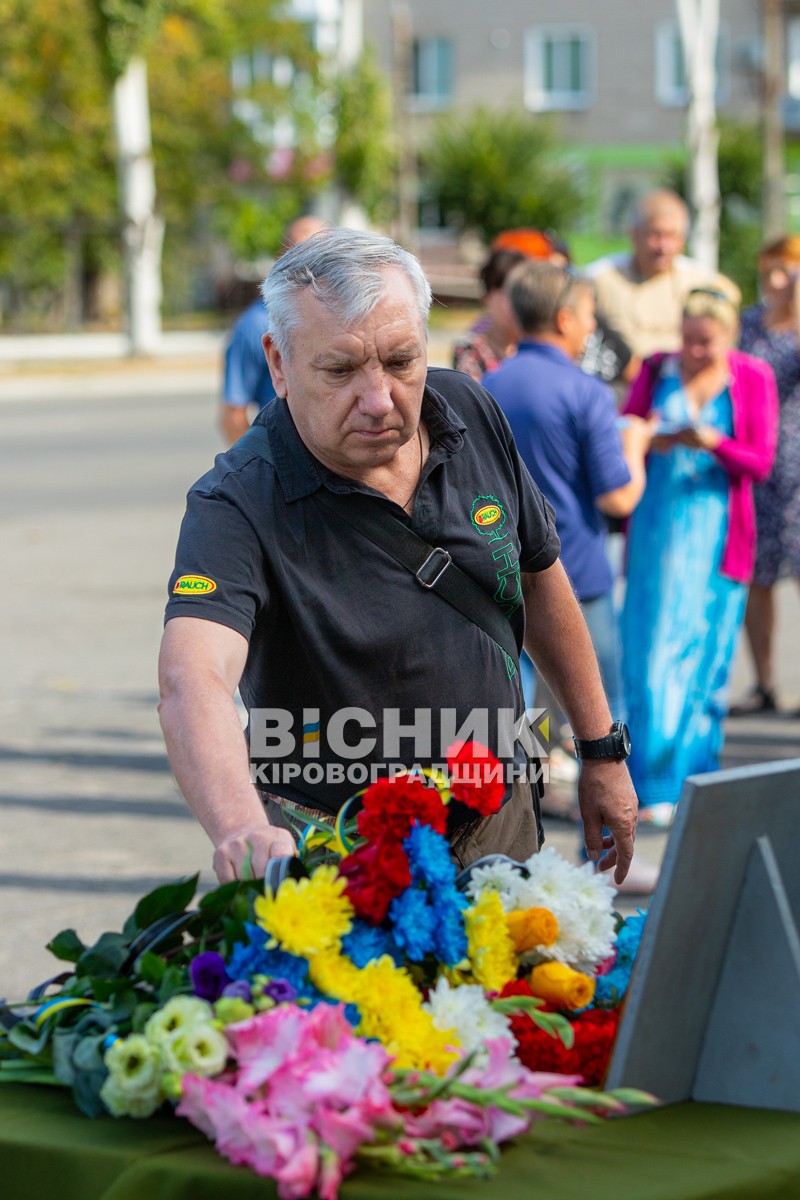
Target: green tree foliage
<point x="741" y="189"/>
<point x="213" y="146"/>
<point x="496" y="170"/>
<point x="365" y="154"/>
<point x="57" y="186"/>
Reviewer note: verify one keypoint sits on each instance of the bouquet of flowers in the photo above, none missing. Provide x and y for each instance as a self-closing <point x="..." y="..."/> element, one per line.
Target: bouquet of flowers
<point x="373" y="1005"/>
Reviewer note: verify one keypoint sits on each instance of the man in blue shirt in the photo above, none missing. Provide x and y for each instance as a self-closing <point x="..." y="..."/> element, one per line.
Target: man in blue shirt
<point x="247" y="380"/>
<point x="565" y="425"/>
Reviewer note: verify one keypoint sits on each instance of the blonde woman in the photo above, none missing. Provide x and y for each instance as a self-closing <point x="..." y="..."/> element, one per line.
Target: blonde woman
<point x="771" y="331"/>
<point x="691" y="545"/>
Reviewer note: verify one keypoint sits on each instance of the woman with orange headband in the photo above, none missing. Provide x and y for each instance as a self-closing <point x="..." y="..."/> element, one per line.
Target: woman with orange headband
<point x="771" y="331"/>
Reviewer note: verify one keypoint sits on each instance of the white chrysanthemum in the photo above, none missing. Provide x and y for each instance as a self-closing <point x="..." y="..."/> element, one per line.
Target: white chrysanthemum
<point x="580" y="899"/>
<point x="466" y="1010"/>
<point x="500" y="877"/>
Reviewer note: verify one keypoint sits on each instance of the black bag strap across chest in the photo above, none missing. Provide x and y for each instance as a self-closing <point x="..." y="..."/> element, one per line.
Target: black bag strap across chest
<point x="432" y="567"/>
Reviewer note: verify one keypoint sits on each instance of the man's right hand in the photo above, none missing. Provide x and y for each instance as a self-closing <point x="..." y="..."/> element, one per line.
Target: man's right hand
<point x="262" y="843"/>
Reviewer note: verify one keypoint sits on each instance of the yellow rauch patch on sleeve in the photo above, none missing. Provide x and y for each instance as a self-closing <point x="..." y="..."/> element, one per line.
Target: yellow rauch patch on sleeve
<point x="194" y="585"/>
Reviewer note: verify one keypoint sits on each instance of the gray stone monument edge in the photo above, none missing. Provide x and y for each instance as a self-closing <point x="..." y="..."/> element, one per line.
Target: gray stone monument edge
<point x="673" y="988"/>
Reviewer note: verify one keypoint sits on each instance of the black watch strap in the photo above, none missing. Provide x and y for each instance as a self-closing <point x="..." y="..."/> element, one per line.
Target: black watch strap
<point x="615" y="746"/>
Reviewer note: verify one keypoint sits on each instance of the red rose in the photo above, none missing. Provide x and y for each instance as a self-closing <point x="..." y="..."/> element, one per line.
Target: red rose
<point x="476" y="777"/>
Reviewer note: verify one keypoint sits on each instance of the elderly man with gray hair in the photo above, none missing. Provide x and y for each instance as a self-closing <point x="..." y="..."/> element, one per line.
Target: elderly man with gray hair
<point x="364" y="566"/>
<point x="640" y="293"/>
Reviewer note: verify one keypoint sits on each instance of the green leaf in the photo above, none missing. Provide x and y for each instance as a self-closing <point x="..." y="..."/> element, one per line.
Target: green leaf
<point x="105" y="958"/>
<point x="124" y="1007"/>
<point x="66" y="946"/>
<point x="165" y="900"/>
<point x="173" y="983"/>
<point x="150" y="968"/>
<point x="27" y="1038"/>
<point x="218" y="901"/>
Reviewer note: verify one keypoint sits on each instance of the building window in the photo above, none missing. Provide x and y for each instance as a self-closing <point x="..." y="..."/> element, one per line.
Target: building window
<point x="432" y="71"/>
<point x="559" y="67"/>
<point x="671" y="84"/>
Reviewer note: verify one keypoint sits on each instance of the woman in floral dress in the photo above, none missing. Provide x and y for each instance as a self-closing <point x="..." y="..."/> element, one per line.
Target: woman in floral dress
<point x="771" y="331"/>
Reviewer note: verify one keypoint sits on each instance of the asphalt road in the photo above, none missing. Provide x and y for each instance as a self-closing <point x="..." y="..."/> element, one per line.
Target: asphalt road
<point x="94" y="468"/>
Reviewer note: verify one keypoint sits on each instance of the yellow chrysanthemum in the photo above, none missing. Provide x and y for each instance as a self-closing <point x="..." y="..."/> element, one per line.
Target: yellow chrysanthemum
<point x="490" y="948"/>
<point x="531" y="927"/>
<point x="390" y="1007"/>
<point x="558" y="984"/>
<point x="307" y="915"/>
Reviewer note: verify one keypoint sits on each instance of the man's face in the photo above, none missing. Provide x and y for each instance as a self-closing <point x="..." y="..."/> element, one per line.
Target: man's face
<point x="658" y="240"/>
<point x="355" y="393"/>
<point x="578" y="322"/>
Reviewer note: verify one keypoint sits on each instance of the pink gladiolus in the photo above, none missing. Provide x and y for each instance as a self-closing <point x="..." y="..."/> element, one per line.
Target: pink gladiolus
<point x="264" y="1042"/>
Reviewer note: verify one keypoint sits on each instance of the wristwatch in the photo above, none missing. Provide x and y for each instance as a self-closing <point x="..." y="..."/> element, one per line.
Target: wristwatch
<point x="615" y="746"/>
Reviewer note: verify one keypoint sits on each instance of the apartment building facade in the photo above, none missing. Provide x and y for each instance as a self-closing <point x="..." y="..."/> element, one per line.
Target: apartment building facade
<point x="609" y="72"/>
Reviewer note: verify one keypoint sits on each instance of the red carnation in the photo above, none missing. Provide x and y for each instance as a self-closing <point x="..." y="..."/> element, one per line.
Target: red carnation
<point x="594" y="1029"/>
<point x="376" y="874"/>
<point x="391" y="806"/>
<point x="476" y="777"/>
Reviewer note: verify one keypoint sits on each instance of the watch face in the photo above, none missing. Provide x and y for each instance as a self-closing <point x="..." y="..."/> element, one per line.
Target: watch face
<point x="625" y="737"/>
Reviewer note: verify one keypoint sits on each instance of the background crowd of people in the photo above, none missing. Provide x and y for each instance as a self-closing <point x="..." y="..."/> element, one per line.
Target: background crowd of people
<point x="683" y="444"/>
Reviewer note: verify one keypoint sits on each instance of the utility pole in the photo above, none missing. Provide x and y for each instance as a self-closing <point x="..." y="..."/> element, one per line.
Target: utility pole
<point x="699" y="26"/>
<point x="772" y="118"/>
<point x="402" y="70"/>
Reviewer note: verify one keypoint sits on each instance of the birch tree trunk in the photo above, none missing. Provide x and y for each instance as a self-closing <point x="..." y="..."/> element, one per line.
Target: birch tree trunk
<point x="143" y="229"/>
<point x="699" y="27"/>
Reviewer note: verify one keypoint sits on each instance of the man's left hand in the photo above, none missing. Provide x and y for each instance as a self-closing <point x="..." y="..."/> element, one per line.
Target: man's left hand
<point x="607" y="798"/>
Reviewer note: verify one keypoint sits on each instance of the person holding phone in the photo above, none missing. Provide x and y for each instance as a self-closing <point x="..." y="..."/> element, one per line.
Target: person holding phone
<point x="691" y="544"/>
<point x="771" y="331"/>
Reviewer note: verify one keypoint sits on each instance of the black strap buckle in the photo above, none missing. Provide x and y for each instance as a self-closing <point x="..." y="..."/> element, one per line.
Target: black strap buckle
<point x="434" y="567"/>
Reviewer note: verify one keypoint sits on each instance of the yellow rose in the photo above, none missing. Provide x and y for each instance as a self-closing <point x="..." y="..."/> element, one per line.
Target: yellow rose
<point x="531" y="927"/>
<point x="560" y="985"/>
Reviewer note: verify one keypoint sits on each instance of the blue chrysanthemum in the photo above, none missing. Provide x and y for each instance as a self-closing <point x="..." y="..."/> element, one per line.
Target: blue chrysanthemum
<point x="450" y="936"/>
<point x="414" y="923"/>
<point x="429" y="857"/>
<point x="367" y="942"/>
<point x="610" y="988"/>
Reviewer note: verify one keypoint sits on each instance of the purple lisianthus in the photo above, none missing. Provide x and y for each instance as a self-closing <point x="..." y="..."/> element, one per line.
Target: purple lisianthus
<point x="208" y="975"/>
<point x="238" y="990"/>
<point x="280" y="991"/>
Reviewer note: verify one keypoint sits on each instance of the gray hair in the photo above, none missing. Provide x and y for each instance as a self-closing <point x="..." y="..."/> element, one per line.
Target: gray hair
<point x="539" y="290"/>
<point x="344" y="268"/>
<point x="653" y="204"/>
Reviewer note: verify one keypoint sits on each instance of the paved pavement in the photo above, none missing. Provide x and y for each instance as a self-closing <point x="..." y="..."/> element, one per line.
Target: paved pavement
<point x="94" y="464"/>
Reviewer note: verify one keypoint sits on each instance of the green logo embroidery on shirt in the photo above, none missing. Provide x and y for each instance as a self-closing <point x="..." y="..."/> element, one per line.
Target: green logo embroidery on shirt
<point x="489" y="518"/>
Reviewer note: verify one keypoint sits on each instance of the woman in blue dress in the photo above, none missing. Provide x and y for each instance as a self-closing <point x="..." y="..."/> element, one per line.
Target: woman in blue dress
<point x="691" y="544"/>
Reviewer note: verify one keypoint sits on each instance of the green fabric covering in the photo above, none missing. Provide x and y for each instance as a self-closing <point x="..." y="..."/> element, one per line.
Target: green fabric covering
<point x="48" y="1151"/>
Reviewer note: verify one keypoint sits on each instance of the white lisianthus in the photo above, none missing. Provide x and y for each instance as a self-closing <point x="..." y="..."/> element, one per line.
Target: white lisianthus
<point x="178" y="1014"/>
<point x="135" y="1070"/>
<point x="201" y="1049"/>
<point x="581" y="900"/>
<point x="467" y="1011"/>
<point x="122" y="1104"/>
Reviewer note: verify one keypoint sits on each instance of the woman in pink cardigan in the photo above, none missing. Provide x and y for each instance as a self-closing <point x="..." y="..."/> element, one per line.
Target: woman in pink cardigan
<point x="691" y="545"/>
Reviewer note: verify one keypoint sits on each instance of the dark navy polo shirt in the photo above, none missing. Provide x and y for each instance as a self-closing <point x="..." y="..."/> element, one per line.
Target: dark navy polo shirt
<point x="564" y="424"/>
<point x="332" y="621"/>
